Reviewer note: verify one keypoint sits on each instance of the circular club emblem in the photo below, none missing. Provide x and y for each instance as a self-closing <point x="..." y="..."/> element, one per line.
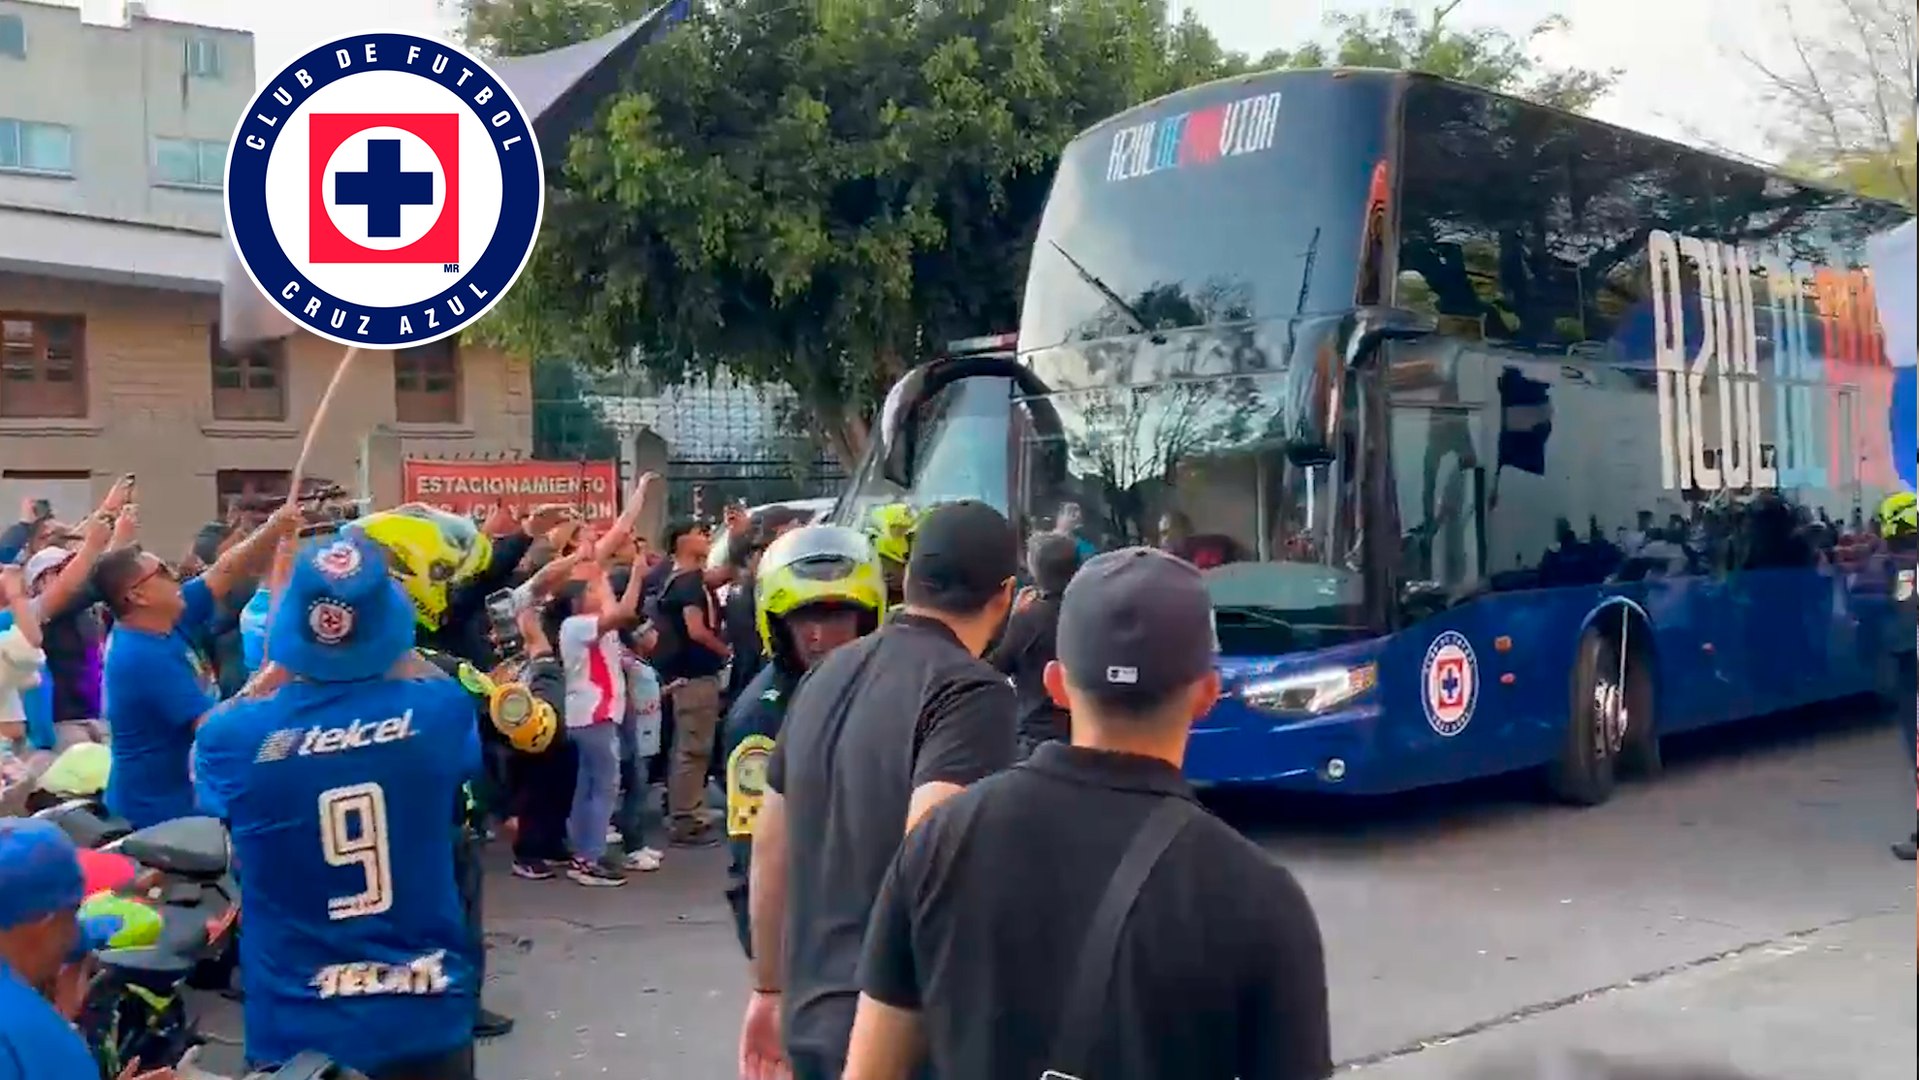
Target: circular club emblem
<point x="330" y="621"/>
<point x="338" y="560"/>
<point x="1449" y="679"/>
<point x="384" y="190"/>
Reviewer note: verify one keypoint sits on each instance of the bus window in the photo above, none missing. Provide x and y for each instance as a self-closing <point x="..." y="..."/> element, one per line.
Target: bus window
<point x="1486" y="219"/>
<point x="961" y="452"/>
<point x="1440" y="489"/>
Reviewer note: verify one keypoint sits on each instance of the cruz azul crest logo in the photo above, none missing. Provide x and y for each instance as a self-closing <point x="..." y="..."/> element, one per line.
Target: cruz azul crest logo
<point x="384" y="190"/>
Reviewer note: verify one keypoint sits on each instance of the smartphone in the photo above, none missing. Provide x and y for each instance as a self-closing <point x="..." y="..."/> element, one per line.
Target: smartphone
<point x="502" y="615"/>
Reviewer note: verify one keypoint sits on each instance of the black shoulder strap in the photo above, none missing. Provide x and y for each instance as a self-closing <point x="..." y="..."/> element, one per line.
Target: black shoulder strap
<point x="1079" y="1027"/>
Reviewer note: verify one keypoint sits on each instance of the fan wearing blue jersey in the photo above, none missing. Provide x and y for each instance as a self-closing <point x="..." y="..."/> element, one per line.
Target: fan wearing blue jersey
<point x="337" y="783"/>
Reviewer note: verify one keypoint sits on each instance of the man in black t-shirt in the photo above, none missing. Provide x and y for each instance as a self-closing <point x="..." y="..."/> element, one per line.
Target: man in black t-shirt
<point x="880" y="732"/>
<point x="1027" y="646"/>
<point x="1209" y="965"/>
<point x="694" y="654"/>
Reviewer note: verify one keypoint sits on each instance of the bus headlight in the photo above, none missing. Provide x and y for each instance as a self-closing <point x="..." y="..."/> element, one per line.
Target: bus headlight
<point x="1309" y="693"/>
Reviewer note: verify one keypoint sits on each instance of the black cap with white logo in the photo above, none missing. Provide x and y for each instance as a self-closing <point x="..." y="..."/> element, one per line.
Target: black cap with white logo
<point x="1136" y="623"/>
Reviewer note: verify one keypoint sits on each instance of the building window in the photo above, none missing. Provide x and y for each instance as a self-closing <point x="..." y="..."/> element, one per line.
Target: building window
<point x="43" y="366"/>
<point x="199" y="163"/>
<point x="203" y="58"/>
<point x="248" y="385"/>
<point x="36" y="147"/>
<point x="251" y="489"/>
<point x="13" y="37"/>
<point x="426" y="384"/>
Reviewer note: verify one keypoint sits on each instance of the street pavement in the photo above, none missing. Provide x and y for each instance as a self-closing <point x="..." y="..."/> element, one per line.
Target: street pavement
<point x="1742" y="909"/>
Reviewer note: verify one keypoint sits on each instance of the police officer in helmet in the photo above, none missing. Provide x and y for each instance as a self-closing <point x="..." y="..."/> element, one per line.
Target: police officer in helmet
<point x="819" y="587"/>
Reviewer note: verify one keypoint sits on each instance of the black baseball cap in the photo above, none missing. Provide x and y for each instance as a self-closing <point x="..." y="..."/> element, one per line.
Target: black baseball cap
<point x="963" y="553"/>
<point x="1136" y="624"/>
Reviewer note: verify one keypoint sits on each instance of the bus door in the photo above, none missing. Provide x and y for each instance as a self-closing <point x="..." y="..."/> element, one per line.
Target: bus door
<point x="1441" y="489"/>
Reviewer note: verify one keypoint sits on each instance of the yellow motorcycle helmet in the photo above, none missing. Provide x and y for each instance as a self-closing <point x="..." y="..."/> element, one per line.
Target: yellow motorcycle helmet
<point x="815" y="565"/>
<point x="528" y="723"/>
<point x="892" y="527"/>
<point x="1899" y="515"/>
<point x="429" y="552"/>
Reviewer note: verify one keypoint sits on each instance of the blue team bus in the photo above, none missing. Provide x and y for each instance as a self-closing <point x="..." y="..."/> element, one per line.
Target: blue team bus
<point x="1506" y="439"/>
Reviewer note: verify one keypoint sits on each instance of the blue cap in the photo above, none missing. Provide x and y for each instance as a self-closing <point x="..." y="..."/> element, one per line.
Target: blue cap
<point x="39" y="872"/>
<point x="341" y="617"/>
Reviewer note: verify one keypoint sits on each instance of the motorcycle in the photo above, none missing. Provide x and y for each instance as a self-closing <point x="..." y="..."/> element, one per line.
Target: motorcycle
<point x="84" y="819"/>
<point x="306" y="1066"/>
<point x="175" y="919"/>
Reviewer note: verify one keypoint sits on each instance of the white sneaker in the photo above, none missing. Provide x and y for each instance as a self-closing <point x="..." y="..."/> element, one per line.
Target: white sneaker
<point x="645" y="859"/>
<point x="613" y="836"/>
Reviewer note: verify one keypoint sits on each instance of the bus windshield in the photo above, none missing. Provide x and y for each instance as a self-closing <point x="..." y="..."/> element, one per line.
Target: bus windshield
<point x="1237" y="201"/>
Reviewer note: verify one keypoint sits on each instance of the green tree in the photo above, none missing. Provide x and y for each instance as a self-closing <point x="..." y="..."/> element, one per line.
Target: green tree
<point x="565" y="426"/>
<point x="1844" y="93"/>
<point x="1401" y="38"/>
<point x="821" y="195"/>
<point x="522" y="27"/>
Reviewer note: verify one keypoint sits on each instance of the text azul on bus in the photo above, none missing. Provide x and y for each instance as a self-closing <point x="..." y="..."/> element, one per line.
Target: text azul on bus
<point x="1712" y="434"/>
<point x="1200" y="137"/>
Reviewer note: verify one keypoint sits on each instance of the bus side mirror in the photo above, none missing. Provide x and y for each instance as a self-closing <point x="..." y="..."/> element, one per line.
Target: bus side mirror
<point x="895" y="423"/>
<point x="1373" y="326"/>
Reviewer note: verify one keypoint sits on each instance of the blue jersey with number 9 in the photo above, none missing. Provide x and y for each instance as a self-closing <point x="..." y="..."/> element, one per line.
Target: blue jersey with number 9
<point x="341" y="800"/>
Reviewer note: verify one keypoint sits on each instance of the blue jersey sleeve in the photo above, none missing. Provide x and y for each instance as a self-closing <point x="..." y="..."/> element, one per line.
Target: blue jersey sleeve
<point x="200" y="606"/>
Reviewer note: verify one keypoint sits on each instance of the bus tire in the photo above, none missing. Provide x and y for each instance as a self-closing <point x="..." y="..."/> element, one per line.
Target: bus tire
<point x="1585" y="774"/>
<point x="1639" y="755"/>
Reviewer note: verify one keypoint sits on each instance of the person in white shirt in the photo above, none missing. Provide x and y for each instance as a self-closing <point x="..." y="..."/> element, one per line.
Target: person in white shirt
<point x="639" y="743"/>
<point x="21" y="660"/>
<point x="594" y="658"/>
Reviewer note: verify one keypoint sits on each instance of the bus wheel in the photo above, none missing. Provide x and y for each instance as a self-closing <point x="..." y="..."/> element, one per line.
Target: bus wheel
<point x="1639" y="756"/>
<point x="1584" y="774"/>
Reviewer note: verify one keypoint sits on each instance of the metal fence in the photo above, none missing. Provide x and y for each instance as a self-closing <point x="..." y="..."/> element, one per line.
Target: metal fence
<point x="727" y="440"/>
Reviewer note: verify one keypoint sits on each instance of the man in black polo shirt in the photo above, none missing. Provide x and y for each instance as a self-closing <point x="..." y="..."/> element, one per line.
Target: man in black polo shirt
<point x="1081" y="913"/>
<point x="881" y="732"/>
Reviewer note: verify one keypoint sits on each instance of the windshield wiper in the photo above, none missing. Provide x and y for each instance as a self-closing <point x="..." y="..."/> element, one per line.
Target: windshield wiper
<point x="1253" y="613"/>
<point x="1105" y="290"/>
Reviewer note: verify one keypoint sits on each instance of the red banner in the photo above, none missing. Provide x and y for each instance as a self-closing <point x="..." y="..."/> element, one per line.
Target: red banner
<point x="474" y="487"/>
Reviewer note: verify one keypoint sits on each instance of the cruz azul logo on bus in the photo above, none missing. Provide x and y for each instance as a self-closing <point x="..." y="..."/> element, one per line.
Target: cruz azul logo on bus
<point x="1200" y="137"/>
<point x="1450" y="679"/>
<point x="384" y="190"/>
<point x="1721" y="312"/>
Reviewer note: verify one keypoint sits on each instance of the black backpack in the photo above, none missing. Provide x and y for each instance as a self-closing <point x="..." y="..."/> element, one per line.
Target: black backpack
<point x="670" y="641"/>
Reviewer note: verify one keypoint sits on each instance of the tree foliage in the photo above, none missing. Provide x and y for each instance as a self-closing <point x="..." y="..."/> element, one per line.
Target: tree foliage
<point x="523" y="27"/>
<point x="1846" y="92"/>
<point x="822" y="195"/>
<point x="1483" y="56"/>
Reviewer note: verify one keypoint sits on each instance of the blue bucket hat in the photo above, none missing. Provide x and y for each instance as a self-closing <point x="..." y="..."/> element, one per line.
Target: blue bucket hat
<point x="341" y="617"/>
<point x="39" y="872"/>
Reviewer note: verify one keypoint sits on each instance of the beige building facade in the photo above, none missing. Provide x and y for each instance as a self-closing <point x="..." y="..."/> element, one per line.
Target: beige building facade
<point x="102" y="379"/>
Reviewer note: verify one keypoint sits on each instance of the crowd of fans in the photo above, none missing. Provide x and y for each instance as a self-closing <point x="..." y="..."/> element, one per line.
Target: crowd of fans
<point x="628" y="645"/>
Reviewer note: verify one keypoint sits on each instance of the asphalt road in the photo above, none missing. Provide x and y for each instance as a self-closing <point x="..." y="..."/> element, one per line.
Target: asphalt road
<point x="1747" y="890"/>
